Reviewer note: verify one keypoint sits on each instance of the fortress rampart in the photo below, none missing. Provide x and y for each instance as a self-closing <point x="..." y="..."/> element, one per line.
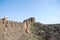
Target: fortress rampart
<point x="11" y="30"/>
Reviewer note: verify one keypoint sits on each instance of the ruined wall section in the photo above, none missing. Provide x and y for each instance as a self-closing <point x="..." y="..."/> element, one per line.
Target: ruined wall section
<point x="10" y="30"/>
<point x="11" y="25"/>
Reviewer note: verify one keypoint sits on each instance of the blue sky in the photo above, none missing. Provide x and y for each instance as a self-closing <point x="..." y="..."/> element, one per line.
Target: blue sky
<point x="45" y="11"/>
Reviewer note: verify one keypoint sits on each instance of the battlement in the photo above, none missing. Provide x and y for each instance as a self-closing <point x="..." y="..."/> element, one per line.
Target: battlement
<point x="7" y="26"/>
<point x="5" y="23"/>
<point x="12" y="23"/>
<point x="11" y="30"/>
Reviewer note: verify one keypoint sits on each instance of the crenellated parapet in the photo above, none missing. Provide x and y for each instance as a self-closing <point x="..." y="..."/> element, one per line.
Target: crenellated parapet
<point x="12" y="25"/>
<point x="6" y="25"/>
<point x="11" y="30"/>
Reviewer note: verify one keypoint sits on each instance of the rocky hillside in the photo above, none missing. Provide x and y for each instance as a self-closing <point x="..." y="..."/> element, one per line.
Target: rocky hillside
<point x="45" y="32"/>
<point x="28" y="30"/>
<point x="39" y="31"/>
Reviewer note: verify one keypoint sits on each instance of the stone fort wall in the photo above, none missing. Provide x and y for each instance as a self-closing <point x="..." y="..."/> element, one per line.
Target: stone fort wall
<point x="11" y="30"/>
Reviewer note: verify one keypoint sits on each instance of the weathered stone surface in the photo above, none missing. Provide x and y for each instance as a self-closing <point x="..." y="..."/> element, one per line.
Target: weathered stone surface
<point x="11" y="30"/>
